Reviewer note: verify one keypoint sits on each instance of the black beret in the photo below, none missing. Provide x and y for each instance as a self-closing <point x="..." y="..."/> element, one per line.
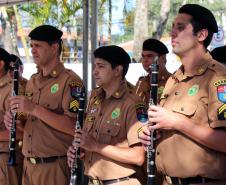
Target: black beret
<point x="15" y="58"/>
<point x="202" y="15"/>
<point x="5" y="56"/>
<point x="115" y="55"/>
<point x="46" y="33"/>
<point x="155" y="45"/>
<point x="219" y="54"/>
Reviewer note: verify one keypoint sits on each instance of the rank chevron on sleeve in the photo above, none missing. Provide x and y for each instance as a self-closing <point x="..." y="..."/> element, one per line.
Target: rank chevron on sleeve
<point x="222" y="112"/>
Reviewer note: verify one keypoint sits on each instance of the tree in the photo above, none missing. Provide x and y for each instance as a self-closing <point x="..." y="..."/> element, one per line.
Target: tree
<point x="140" y="27"/>
<point x="164" y="13"/>
<point x="9" y="32"/>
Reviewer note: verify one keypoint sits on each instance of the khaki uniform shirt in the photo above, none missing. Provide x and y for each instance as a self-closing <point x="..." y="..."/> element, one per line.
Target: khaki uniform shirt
<point x="56" y="93"/>
<point x="143" y="86"/>
<point x="5" y="93"/>
<point x="200" y="96"/>
<point x="112" y="121"/>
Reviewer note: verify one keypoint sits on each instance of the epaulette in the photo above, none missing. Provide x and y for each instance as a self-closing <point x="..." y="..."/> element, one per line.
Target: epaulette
<point x="217" y="67"/>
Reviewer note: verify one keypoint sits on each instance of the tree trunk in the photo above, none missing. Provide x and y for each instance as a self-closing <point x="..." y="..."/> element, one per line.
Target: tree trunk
<point x="109" y="20"/>
<point x="6" y="32"/>
<point x="164" y="14"/>
<point x="140" y="27"/>
<point x="22" y="37"/>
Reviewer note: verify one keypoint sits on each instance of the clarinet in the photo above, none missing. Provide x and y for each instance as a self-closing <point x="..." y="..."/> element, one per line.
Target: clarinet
<point x="77" y="176"/>
<point x="12" y="141"/>
<point x="153" y="101"/>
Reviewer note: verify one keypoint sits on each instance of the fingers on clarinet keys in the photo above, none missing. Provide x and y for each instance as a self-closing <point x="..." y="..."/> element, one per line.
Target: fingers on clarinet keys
<point x="76" y="142"/>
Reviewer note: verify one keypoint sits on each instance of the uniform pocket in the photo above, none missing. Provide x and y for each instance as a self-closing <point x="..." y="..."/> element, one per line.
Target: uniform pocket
<point x="108" y="131"/>
<point x="185" y="108"/>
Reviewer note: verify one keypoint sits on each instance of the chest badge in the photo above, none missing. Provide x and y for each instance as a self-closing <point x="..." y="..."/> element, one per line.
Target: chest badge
<point x="193" y="90"/>
<point x="54" y="88"/>
<point x="116" y="113"/>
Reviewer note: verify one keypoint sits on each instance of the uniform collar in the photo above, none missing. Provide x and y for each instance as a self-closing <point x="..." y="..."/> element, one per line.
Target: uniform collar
<point x="118" y="93"/>
<point x="121" y="90"/>
<point x="198" y="70"/>
<point x="56" y="70"/>
<point x="5" y="80"/>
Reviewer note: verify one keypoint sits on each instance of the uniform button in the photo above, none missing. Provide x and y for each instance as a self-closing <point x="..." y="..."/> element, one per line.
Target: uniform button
<point x="100" y="114"/>
<point x="29" y="135"/>
<point x="109" y="131"/>
<point x="176" y="93"/>
<point x="213" y="65"/>
<point x="90" y="161"/>
<point x="182" y="108"/>
<point x="29" y="151"/>
<point x="47" y="105"/>
<point x="96" y="130"/>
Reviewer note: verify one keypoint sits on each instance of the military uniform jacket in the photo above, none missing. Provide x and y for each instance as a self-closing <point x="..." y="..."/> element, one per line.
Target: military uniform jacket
<point x="112" y="121"/>
<point x="200" y="96"/>
<point x="56" y="93"/>
<point x="143" y="86"/>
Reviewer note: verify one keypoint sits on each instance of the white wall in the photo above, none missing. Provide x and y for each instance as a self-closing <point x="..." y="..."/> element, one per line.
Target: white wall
<point x="135" y="70"/>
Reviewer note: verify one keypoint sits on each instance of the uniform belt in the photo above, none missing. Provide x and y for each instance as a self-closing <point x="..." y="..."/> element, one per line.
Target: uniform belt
<point x="187" y="181"/>
<point x="4" y="152"/>
<point x="38" y="160"/>
<point x="112" y="181"/>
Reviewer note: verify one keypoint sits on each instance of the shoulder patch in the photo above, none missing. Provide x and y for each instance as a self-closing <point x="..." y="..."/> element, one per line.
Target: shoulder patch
<point x="76" y="88"/>
<point x="221" y="90"/>
<point x="141" y="112"/>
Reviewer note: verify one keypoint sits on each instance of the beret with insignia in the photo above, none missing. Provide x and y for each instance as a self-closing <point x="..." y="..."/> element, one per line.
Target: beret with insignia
<point x="46" y="33"/>
<point x="202" y="15"/>
<point x="5" y="56"/>
<point x="219" y="54"/>
<point x="155" y="45"/>
<point x="115" y="55"/>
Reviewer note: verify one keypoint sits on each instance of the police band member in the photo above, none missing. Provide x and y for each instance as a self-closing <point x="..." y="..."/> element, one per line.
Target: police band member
<point x="50" y="104"/>
<point x="113" y="153"/>
<point x="152" y="48"/>
<point x="192" y="115"/>
<point x="9" y="175"/>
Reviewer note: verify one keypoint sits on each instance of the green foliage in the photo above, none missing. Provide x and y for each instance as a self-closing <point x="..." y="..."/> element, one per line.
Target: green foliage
<point x="54" y="12"/>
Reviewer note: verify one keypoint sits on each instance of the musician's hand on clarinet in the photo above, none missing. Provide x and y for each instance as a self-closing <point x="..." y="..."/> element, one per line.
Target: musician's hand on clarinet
<point x="8" y="120"/>
<point x="144" y="135"/>
<point x="164" y="119"/>
<point x="21" y="104"/>
<point x="86" y="141"/>
<point x="70" y="156"/>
